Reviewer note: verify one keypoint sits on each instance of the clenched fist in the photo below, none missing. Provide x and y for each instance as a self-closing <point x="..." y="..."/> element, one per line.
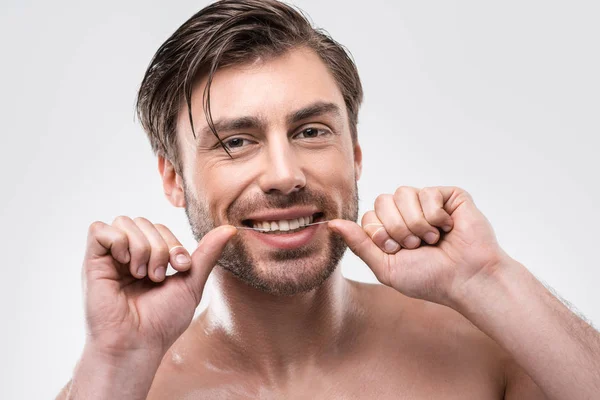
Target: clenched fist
<point x="426" y="243"/>
<point x="130" y="304"/>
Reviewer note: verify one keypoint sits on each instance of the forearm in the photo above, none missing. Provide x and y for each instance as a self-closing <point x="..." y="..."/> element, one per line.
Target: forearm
<point x="100" y="377"/>
<point x="558" y="350"/>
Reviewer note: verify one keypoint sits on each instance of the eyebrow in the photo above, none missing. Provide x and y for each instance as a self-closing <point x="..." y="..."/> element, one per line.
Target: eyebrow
<point x="232" y="124"/>
<point x="316" y="109"/>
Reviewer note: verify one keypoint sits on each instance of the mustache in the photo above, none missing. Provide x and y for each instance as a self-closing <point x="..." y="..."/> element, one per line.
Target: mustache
<point x="243" y="207"/>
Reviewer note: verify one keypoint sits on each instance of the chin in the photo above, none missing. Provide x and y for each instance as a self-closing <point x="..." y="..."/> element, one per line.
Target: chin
<point x="285" y="272"/>
<point x="287" y="278"/>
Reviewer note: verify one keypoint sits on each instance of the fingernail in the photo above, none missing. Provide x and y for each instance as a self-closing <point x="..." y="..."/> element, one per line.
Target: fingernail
<point x="430" y="237"/>
<point x="391" y="246"/>
<point x="446" y="228"/>
<point x="182" y="259"/>
<point x="142" y="270"/>
<point x="412" y="241"/>
<point x="160" y="273"/>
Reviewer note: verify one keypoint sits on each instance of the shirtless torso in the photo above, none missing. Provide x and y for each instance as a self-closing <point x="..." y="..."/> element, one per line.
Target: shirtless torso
<point x="399" y="348"/>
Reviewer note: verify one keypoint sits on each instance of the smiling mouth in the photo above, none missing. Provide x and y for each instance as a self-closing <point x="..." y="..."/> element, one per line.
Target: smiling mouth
<point x="283" y="226"/>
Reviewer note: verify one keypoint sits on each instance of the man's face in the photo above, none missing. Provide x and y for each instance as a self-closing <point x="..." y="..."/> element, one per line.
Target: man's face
<point x="285" y="123"/>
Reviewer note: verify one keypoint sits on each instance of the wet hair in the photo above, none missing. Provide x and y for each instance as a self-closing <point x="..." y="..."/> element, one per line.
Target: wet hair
<point x="226" y="33"/>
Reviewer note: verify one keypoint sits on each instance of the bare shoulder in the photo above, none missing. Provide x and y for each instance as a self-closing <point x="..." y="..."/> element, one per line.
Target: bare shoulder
<point x="192" y="369"/>
<point x="438" y="339"/>
<point x="424" y="319"/>
<point x="181" y="378"/>
<point x="180" y="373"/>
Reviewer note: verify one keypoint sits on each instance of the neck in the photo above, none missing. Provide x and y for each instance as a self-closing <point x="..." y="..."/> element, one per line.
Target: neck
<point x="274" y="334"/>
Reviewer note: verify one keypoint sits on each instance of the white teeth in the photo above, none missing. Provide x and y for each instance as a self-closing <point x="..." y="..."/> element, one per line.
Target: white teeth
<point x="283" y="225"/>
<point x="294" y="224"/>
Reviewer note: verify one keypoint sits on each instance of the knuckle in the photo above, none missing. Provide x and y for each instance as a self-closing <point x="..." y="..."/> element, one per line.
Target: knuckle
<point x="368" y="216"/>
<point x="398" y="232"/>
<point x="403" y="190"/>
<point x="166" y="233"/>
<point x="379" y="235"/>
<point x="462" y="195"/>
<point x="95" y="227"/>
<point x="161" y="227"/>
<point x="121" y="219"/>
<point x="140" y="219"/>
<point x="460" y="190"/>
<point x="417" y="224"/>
<point x="381" y="200"/>
<point x="161" y="252"/>
<point x="440" y="213"/>
<point x="121" y="238"/>
<point x="427" y="192"/>
<point x="141" y="251"/>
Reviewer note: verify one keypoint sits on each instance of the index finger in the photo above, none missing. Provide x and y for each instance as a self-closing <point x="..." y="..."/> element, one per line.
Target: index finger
<point x="376" y="230"/>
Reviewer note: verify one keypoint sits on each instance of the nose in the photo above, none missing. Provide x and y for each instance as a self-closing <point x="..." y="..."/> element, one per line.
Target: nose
<point x="281" y="170"/>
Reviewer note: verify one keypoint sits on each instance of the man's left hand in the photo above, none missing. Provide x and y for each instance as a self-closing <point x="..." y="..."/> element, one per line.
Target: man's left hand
<point x="426" y="243"/>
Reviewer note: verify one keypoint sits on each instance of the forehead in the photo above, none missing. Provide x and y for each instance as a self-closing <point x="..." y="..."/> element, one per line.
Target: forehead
<point x="271" y="89"/>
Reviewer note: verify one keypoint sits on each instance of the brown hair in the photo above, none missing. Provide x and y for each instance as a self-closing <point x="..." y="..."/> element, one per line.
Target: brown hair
<point x="226" y="33"/>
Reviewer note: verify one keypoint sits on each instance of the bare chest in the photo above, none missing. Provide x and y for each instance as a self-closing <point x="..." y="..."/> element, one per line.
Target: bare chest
<point x="376" y="378"/>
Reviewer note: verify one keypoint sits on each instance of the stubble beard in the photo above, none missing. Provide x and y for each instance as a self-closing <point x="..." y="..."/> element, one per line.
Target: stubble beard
<point x="285" y="272"/>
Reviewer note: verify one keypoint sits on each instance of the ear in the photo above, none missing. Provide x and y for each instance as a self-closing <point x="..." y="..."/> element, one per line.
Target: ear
<point x="172" y="182"/>
<point x="357" y="160"/>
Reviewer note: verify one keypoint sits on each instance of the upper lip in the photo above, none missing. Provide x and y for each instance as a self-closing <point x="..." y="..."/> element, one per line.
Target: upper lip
<point x="288" y="213"/>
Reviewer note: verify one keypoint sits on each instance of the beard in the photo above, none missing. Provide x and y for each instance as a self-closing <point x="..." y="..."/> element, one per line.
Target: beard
<point x="281" y="272"/>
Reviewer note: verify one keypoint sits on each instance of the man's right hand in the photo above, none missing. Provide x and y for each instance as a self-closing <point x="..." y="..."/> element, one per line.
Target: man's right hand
<point x="134" y="313"/>
<point x="130" y="305"/>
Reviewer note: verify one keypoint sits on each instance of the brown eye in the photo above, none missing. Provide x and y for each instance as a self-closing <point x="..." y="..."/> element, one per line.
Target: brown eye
<point x="234" y="143"/>
<point x="310" y="133"/>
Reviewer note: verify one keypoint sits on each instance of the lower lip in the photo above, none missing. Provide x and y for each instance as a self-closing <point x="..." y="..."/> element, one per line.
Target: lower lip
<point x="287" y="240"/>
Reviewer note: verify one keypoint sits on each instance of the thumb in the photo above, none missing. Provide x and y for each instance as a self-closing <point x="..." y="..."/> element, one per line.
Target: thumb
<point x="205" y="257"/>
<point x="361" y="244"/>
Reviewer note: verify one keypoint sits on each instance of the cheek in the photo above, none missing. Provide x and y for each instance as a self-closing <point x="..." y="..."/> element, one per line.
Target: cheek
<point x="222" y="186"/>
<point x="334" y="171"/>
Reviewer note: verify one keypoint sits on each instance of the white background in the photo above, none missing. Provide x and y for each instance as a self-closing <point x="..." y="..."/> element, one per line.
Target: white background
<point x="500" y="98"/>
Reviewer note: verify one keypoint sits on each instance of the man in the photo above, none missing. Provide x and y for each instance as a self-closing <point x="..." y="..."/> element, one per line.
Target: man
<point x="253" y="116"/>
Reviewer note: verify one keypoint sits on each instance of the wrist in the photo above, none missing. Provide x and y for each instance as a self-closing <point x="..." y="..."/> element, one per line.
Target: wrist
<point x="100" y="374"/>
<point x="491" y="284"/>
<point x="122" y="350"/>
